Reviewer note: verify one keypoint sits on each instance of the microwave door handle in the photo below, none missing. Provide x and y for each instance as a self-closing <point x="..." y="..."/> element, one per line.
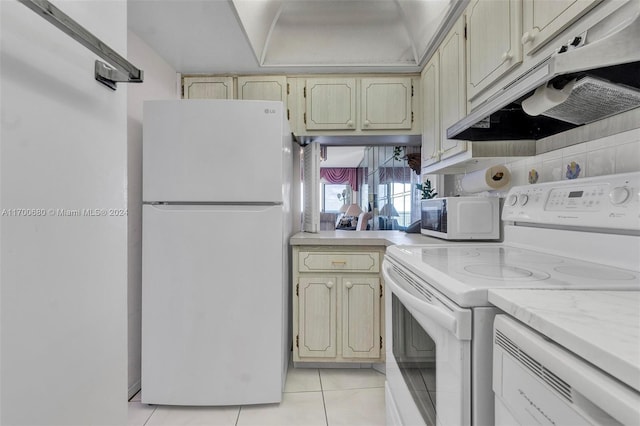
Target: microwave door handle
<point x="442" y="317"/>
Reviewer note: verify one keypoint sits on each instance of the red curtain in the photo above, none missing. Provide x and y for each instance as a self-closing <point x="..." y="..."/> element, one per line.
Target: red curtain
<point x="339" y="175"/>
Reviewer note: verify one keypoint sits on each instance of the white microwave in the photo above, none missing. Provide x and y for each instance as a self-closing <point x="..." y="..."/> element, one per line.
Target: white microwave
<point x="461" y="218"/>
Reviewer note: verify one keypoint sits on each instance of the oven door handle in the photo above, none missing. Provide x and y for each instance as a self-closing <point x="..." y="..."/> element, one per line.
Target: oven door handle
<point x="436" y="313"/>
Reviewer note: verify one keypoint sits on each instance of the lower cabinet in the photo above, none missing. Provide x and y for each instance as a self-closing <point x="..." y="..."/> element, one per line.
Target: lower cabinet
<point x="338" y="306"/>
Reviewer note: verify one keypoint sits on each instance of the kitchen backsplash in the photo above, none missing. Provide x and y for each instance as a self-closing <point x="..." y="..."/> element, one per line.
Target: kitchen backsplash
<point x="614" y="154"/>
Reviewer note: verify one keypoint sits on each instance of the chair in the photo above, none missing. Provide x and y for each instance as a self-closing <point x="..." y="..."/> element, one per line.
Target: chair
<point x="363" y="220"/>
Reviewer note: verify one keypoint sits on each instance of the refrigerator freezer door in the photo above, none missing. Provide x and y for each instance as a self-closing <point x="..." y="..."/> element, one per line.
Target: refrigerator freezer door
<point x="213" y="151"/>
<point x="213" y="295"/>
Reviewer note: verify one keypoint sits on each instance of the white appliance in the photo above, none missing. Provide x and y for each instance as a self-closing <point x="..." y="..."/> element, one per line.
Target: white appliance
<point x="581" y="234"/>
<point x="215" y="274"/>
<point x="536" y="381"/>
<point x="461" y="218"/>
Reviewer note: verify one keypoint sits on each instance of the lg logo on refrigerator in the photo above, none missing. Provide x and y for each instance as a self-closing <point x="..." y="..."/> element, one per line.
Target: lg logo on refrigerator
<point x="269" y="111"/>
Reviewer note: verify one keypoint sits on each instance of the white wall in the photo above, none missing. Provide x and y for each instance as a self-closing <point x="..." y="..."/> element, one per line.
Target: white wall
<point x="160" y="82"/>
<point x="619" y="153"/>
<point x="63" y="278"/>
<point x="614" y="154"/>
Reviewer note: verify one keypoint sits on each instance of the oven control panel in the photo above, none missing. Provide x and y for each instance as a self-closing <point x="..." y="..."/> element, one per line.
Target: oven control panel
<point x="599" y="202"/>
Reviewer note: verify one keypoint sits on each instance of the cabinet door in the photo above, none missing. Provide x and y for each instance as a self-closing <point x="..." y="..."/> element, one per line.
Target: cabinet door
<point x="386" y="103"/>
<point x="317" y="317"/>
<point x="330" y="104"/>
<point x="544" y="19"/>
<point x="268" y="88"/>
<point x="453" y="100"/>
<point x="431" y="112"/>
<point x="207" y="87"/>
<point x="494" y="29"/>
<point x="360" y="317"/>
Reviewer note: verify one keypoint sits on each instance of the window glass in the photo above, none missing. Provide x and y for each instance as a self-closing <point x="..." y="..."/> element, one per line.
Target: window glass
<point x="332" y="197"/>
<point x="402" y="203"/>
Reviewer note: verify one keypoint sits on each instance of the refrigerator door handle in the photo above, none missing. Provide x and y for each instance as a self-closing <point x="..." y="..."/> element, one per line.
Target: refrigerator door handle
<point x="218" y="207"/>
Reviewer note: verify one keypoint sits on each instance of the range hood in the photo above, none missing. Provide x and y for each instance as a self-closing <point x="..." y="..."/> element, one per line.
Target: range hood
<point x="594" y="76"/>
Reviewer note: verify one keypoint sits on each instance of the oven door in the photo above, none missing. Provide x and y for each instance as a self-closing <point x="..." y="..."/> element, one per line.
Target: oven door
<point x="428" y="353"/>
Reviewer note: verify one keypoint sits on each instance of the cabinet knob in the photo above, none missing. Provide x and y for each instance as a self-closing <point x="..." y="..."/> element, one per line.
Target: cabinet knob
<point x="528" y="37"/>
<point x="348" y="284"/>
<point x="329" y="284"/>
<point x="366" y="123"/>
<point x="350" y="123"/>
<point x="506" y="56"/>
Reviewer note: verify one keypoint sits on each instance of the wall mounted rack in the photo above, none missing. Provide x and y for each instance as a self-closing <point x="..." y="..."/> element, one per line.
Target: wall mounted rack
<point x="118" y="69"/>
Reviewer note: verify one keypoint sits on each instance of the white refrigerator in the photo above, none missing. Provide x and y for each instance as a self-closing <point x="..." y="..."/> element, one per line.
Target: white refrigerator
<point x="215" y="271"/>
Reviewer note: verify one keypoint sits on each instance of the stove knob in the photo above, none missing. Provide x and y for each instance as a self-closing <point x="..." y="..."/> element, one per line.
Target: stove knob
<point x="511" y="200"/>
<point x="524" y="198"/>
<point x="619" y="195"/>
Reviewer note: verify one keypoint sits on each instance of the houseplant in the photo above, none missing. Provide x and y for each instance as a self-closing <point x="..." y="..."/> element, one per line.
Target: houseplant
<point x="427" y="191"/>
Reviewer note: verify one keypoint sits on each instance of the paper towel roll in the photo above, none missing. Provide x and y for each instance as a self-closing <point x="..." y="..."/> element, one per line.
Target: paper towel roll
<point x="546" y="97"/>
<point x="489" y="179"/>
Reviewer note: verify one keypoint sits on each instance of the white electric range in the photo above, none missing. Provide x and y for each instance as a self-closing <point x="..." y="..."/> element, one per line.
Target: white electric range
<point x="580" y="235"/>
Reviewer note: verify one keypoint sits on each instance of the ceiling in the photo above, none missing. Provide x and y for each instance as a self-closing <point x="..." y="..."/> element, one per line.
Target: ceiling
<point x="343" y="156"/>
<point x="293" y="36"/>
<point x="296" y="37"/>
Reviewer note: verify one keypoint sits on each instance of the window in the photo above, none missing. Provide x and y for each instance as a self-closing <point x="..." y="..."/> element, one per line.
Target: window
<point x="332" y="196"/>
<point x="391" y="186"/>
<point x="401" y="200"/>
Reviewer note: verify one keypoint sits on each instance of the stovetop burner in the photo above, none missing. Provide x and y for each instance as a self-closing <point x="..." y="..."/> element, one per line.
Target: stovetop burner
<point x="576" y="235"/>
<point x="506" y="263"/>
<point x="499" y="255"/>
<point x="504" y="272"/>
<point x="465" y="271"/>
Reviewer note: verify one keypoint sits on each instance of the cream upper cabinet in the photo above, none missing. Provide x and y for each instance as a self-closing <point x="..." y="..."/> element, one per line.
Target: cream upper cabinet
<point x="494" y="32"/>
<point x="330" y="104"/>
<point x="352" y="104"/>
<point x="453" y="100"/>
<point x="386" y="103"/>
<point x="263" y="88"/>
<point x="444" y="99"/>
<point x="207" y="87"/>
<point x="543" y="19"/>
<point x="431" y="112"/>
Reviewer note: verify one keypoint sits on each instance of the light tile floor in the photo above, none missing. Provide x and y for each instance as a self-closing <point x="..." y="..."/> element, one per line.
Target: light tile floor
<point x="329" y="397"/>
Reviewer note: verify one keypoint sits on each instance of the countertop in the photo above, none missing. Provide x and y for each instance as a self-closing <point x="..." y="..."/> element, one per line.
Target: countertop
<point x="602" y="327"/>
<point x="361" y="238"/>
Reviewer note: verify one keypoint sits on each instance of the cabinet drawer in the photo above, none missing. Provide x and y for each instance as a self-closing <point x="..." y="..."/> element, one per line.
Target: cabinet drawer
<point x="336" y="261"/>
